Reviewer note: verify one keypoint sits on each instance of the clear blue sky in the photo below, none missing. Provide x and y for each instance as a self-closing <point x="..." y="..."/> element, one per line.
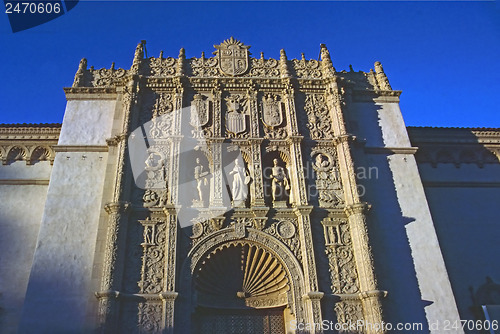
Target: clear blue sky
<point x="444" y="56"/>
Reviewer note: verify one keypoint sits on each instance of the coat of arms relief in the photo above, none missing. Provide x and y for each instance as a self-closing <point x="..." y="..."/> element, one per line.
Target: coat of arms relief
<point x="232" y="56"/>
<point x="236" y="116"/>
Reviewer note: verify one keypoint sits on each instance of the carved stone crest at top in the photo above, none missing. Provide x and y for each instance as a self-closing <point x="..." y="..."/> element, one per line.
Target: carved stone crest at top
<point x="271" y="111"/>
<point x="232" y="56"/>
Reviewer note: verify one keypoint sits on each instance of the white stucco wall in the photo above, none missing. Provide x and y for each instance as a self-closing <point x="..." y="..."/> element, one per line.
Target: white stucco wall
<point x="21" y="208"/>
<point x="408" y="258"/>
<point x="87" y="122"/>
<point x="60" y="281"/>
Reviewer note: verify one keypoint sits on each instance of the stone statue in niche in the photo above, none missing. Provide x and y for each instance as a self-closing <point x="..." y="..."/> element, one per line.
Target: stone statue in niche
<point x="279" y="184"/>
<point x="239" y="188"/>
<point x="155" y="168"/>
<point x="200" y="175"/>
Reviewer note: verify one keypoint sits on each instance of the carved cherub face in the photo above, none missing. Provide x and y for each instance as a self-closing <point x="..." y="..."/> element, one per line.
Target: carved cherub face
<point x="275" y="161"/>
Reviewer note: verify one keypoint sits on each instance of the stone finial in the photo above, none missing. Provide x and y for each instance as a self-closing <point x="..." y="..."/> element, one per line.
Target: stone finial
<point x="326" y="62"/>
<point x="138" y="56"/>
<point x="139" y="51"/>
<point x="382" y="80"/>
<point x="284" y="64"/>
<point x="180" y="62"/>
<point x="82" y="67"/>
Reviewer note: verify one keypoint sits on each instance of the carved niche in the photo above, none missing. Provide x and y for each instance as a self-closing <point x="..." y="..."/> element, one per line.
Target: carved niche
<point x="328" y="181"/>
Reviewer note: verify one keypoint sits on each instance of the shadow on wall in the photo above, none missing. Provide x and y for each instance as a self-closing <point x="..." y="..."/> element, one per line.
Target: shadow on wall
<point x="393" y="259"/>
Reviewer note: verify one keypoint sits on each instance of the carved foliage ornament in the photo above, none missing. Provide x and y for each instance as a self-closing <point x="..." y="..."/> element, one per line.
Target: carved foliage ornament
<point x="319" y="121"/>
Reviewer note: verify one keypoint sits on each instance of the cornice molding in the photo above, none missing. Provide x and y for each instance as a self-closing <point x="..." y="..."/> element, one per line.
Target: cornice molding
<point x="390" y="150"/>
<point x="80" y="148"/>
<point x="24" y="182"/>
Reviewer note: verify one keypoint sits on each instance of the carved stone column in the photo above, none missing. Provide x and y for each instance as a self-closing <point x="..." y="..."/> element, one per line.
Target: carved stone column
<point x="112" y="273"/>
<point x="217" y="109"/>
<point x="117" y="209"/>
<point x="312" y="296"/>
<point x="256" y="187"/>
<point x="254" y="112"/>
<point x="289" y="99"/>
<point x="169" y="295"/>
<point x="355" y="209"/>
<point x="217" y="181"/>
<point x="297" y="178"/>
<point x="168" y="299"/>
<point x="370" y="296"/>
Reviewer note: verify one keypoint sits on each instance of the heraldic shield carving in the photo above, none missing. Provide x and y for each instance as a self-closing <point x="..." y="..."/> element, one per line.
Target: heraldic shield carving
<point x="235" y="120"/>
<point x="199" y="111"/>
<point x="271" y="111"/>
<point x="232" y="56"/>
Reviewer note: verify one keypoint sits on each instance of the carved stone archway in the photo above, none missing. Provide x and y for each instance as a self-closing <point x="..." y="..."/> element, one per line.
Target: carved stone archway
<point x="187" y="300"/>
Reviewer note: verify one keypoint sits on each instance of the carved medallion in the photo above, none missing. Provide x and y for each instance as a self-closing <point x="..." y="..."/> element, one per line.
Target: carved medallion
<point x="232" y="56"/>
<point x="286" y="229"/>
<point x="199" y="111"/>
<point x="235" y="118"/>
<point x="271" y="111"/>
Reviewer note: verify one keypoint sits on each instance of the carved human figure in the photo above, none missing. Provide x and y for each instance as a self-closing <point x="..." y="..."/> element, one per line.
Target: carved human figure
<point x="201" y="178"/>
<point x="320" y="163"/>
<point x="240" y="180"/>
<point x="279" y="182"/>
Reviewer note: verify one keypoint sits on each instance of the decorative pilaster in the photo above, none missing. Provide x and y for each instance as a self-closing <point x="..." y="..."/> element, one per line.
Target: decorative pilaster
<point x="256" y="189"/>
<point x="111" y="279"/>
<point x="312" y="296"/>
<point x="297" y="178"/>
<point x="289" y="100"/>
<point x="355" y="209"/>
<point x="217" y="112"/>
<point x="217" y="179"/>
<point x="168" y="299"/>
<point x="254" y="112"/>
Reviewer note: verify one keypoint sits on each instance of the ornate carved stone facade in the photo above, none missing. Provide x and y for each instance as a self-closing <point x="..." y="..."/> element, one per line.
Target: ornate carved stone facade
<point x="259" y="223"/>
<point x="285" y="118"/>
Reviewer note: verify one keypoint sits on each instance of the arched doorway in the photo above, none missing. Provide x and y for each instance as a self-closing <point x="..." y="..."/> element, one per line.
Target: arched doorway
<point x="240" y="288"/>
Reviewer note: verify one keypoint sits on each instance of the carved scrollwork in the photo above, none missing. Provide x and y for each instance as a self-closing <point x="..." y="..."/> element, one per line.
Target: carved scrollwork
<point x="349" y="311"/>
<point x="319" y="122"/>
<point x="162" y="67"/>
<point x="106" y="77"/>
<point x="343" y="274"/>
<point x="153" y="259"/>
<point x="285" y="229"/>
<point x="306" y="69"/>
<point x="264" y="67"/>
<point x="150" y="317"/>
<point x="205" y="67"/>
